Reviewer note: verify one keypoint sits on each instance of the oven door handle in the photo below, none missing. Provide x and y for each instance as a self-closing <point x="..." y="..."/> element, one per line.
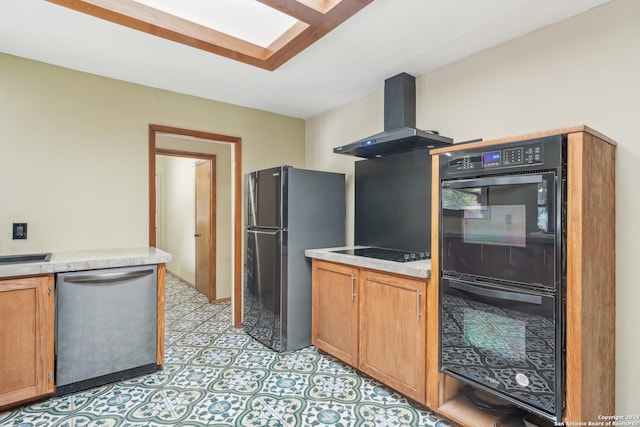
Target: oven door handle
<point x="494" y="293"/>
<point x="493" y="181"/>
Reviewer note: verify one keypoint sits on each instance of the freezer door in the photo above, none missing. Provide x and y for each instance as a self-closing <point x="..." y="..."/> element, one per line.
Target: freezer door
<point x="265" y="198"/>
<point x="263" y="287"/>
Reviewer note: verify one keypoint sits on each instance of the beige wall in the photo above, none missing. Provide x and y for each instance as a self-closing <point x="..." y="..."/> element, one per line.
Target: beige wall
<point x="74" y="156"/>
<point x="582" y="71"/>
<point x="74" y="152"/>
<point x="176" y="199"/>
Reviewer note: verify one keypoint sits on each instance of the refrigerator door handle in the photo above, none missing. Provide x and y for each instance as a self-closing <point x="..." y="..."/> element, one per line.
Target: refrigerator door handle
<point x="253" y="189"/>
<point x="263" y="231"/>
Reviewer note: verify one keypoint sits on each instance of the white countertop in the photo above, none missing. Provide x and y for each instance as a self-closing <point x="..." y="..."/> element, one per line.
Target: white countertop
<point x="88" y="260"/>
<point x="421" y="269"/>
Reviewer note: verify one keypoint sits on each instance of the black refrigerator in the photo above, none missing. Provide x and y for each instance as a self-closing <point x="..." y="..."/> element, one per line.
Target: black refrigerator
<point x="288" y="210"/>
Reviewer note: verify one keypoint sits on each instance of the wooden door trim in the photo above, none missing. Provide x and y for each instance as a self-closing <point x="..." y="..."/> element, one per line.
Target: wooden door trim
<point x="237" y="194"/>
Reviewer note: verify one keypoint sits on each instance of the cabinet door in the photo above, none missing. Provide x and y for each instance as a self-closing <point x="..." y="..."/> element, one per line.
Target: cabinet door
<point x="393" y="332"/>
<point x="26" y="337"/>
<point x="334" y="327"/>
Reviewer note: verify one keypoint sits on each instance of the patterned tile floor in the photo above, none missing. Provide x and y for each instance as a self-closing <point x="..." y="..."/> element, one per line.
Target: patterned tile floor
<point x="216" y="375"/>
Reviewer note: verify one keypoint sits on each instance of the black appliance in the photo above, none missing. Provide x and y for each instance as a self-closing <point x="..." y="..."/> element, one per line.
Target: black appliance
<point x="386" y="254"/>
<point x="288" y="210"/>
<point x="393" y="202"/>
<point x="502" y="218"/>
<point x="400" y="132"/>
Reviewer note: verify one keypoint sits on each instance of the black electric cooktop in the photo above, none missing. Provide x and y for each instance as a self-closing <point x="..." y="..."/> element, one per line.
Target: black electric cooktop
<point x="386" y="254"/>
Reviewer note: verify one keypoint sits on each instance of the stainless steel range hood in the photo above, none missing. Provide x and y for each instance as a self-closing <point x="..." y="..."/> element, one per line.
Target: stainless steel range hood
<point x="400" y="134"/>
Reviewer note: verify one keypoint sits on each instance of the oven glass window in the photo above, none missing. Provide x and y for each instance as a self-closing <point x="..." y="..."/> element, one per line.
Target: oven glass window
<point x="502" y="228"/>
<point x="462" y="199"/>
<point x="503" y="225"/>
<point x="503" y="340"/>
<point x="495" y="334"/>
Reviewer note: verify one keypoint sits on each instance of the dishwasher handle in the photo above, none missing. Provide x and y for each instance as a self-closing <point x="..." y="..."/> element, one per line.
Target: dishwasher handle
<point x="107" y="277"/>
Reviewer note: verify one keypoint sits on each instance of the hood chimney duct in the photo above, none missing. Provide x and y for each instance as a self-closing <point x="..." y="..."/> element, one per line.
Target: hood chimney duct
<point x="400" y="102"/>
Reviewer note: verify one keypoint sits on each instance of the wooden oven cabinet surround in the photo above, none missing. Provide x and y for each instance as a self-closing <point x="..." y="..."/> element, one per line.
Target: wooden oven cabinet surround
<point x="373" y="321"/>
<point x="590" y="340"/>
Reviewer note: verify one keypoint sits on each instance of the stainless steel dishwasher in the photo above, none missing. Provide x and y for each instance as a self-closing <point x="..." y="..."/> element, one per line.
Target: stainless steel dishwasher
<point x="106" y="326"/>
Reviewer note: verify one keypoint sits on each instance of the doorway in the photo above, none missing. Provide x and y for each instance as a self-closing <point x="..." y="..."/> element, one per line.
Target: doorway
<point x="184" y="144"/>
<point x="186" y="225"/>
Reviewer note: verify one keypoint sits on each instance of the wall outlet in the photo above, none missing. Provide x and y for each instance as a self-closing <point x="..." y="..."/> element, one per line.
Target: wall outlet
<point x="19" y="230"/>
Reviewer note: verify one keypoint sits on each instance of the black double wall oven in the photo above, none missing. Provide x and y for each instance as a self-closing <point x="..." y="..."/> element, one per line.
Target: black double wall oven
<point x="502" y="220"/>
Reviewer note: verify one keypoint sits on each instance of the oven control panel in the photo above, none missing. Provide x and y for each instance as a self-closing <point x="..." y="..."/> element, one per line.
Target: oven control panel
<point x="525" y="155"/>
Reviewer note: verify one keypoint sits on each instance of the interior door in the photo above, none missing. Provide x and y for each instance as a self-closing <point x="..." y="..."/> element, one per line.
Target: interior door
<point x="205" y="229"/>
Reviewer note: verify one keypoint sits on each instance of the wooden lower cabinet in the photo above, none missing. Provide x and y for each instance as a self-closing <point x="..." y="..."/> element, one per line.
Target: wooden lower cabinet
<point x="392" y="332"/>
<point x="334" y="324"/>
<point x="373" y="321"/>
<point x="26" y="338"/>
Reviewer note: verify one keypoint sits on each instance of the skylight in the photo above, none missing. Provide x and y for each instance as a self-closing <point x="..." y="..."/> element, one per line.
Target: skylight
<point x="247" y="20"/>
<point x="263" y="33"/>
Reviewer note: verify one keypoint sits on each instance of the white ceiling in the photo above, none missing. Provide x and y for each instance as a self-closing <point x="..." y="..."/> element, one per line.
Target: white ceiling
<point x="385" y="38"/>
